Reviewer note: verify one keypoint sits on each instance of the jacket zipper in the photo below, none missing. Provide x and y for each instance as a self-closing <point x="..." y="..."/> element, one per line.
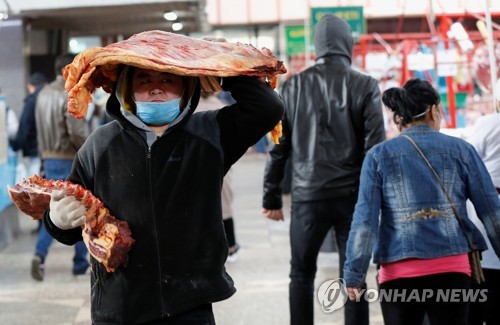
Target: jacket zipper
<point x="148" y="155"/>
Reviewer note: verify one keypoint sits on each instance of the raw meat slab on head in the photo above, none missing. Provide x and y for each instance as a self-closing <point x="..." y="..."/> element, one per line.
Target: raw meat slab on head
<point x="169" y="52"/>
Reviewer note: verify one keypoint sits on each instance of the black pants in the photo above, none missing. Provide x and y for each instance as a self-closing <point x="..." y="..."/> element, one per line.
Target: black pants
<point x="487" y="311"/>
<point x="310" y="222"/>
<point x="229" y="229"/>
<point x="413" y="310"/>
<point x="202" y="315"/>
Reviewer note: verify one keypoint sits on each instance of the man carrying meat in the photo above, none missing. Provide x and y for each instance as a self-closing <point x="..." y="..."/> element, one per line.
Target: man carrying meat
<point x="159" y="166"/>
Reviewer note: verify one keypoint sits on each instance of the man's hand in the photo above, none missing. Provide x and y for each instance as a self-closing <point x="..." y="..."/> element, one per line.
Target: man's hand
<point x="276" y="215"/>
<point x="354" y="293"/>
<point x="65" y="211"/>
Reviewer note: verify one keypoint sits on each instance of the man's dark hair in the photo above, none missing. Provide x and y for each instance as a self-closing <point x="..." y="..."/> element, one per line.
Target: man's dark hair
<point x="37" y="79"/>
<point x="62" y="61"/>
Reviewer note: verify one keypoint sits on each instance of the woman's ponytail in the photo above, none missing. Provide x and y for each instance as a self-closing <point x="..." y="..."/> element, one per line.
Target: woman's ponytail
<point x="411" y="102"/>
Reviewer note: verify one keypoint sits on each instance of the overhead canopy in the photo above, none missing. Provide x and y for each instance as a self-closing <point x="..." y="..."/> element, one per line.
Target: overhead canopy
<point x="124" y="19"/>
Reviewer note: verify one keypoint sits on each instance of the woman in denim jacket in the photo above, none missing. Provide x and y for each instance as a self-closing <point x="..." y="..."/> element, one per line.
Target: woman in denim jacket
<point x="403" y="216"/>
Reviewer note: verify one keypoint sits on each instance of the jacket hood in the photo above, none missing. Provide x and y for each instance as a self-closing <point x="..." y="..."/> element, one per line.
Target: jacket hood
<point x="123" y="91"/>
<point x="333" y="36"/>
<point x="122" y="104"/>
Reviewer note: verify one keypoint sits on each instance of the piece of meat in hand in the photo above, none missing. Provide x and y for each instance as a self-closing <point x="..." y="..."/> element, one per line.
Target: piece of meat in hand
<point x="108" y="239"/>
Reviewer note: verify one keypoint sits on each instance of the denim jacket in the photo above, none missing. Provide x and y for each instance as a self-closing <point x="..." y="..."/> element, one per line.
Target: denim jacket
<point x="402" y="212"/>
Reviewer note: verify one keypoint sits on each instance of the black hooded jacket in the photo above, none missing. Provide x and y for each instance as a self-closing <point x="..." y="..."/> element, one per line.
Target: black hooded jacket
<point x="26" y="134"/>
<point x="170" y="196"/>
<point x="333" y="115"/>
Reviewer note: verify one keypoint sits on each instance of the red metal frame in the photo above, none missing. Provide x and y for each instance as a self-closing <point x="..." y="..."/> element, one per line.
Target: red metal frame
<point x="408" y="41"/>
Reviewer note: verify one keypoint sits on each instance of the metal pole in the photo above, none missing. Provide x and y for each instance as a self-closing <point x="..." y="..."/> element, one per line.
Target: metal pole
<point x="307" y="31"/>
<point x="493" y="63"/>
<point x="452" y="107"/>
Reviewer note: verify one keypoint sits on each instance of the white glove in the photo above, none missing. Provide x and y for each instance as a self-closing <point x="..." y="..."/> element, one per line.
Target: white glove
<point x="65" y="211"/>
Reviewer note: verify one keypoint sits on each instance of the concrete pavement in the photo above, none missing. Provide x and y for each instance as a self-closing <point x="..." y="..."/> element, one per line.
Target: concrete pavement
<point x="260" y="272"/>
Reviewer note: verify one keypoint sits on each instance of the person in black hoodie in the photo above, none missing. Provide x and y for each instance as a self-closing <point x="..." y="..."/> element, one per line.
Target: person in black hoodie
<point x="159" y="166"/>
<point x="25" y="139"/>
<point x="333" y="115"/>
<point x="26" y="133"/>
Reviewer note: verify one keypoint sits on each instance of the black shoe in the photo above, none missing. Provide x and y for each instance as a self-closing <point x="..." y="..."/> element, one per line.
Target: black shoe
<point x="37" y="268"/>
<point x="233" y="253"/>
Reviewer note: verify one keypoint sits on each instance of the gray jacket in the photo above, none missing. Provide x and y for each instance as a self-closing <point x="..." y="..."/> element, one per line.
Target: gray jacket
<point x="59" y="134"/>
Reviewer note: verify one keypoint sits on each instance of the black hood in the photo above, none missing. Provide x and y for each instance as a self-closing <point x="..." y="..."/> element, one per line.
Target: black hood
<point x="333" y="36"/>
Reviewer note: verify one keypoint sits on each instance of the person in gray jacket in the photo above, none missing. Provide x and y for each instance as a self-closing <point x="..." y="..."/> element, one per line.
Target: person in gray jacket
<point x="59" y="137"/>
<point x="333" y="116"/>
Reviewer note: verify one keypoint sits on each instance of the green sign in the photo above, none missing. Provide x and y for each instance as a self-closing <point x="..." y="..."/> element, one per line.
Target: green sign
<point x="353" y="16"/>
<point x="295" y="40"/>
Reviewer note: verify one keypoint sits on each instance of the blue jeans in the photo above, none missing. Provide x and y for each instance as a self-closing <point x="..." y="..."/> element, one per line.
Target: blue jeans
<point x="59" y="169"/>
<point x="310" y="223"/>
<point x="261" y="145"/>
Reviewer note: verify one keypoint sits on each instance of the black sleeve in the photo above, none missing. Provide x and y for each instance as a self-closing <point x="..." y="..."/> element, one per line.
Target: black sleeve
<point x="373" y="117"/>
<point x="26" y="123"/>
<point x="276" y="163"/>
<point x="68" y="237"/>
<point x="257" y="110"/>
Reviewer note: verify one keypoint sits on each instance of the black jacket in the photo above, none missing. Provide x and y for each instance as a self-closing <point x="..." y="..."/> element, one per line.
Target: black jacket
<point x="333" y="115"/>
<point x="170" y="195"/>
<point x="26" y="134"/>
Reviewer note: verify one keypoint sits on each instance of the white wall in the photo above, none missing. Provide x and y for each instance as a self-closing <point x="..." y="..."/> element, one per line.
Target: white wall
<point x="12" y="63"/>
<point x="224" y="12"/>
<point x="227" y="12"/>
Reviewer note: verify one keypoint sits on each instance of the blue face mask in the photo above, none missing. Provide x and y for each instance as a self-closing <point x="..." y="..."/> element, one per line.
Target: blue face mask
<point x="155" y="113"/>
